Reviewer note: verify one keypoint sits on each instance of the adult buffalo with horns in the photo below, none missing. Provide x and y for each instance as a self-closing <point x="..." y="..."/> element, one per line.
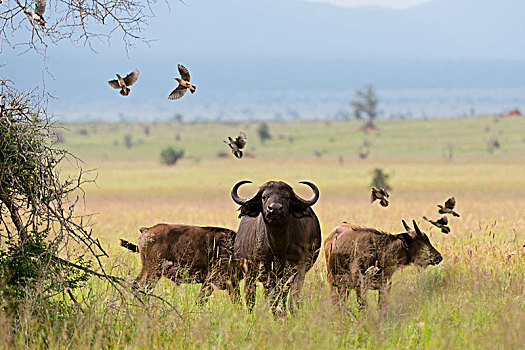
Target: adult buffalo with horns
<point x="278" y="241"/>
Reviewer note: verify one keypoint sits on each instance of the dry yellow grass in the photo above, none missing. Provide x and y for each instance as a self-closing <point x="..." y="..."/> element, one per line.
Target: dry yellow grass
<point x="474" y="299"/>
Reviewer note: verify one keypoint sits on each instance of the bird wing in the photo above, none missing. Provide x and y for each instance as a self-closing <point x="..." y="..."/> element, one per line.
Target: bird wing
<point x="442" y="221"/>
<point x="114" y="84"/>
<point x="241" y="140"/>
<point x="184" y="73"/>
<point x="131" y="78"/>
<point x="372" y="196"/>
<point x="233" y="145"/>
<point x="384" y="192"/>
<point x="426" y="219"/>
<point x="40" y="7"/>
<point x="177" y="93"/>
<point x="450" y="203"/>
<point x="237" y="154"/>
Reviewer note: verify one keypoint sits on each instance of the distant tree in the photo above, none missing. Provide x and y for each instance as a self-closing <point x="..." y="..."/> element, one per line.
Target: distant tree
<point x="170" y="155"/>
<point x="493" y="144"/>
<point x="178" y="118"/>
<point x="448" y="151"/>
<point x="380" y="179"/>
<point x="128" y="141"/>
<point x="363" y="151"/>
<point x="264" y="132"/>
<point x="365" y="106"/>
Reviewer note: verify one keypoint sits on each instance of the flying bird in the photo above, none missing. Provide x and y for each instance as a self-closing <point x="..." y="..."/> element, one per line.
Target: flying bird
<point x="237" y="144"/>
<point x="449" y="207"/>
<point x="380" y="194"/>
<point x="38" y="14"/>
<point x="124" y="83"/>
<point x="184" y="84"/>
<point x="441" y="223"/>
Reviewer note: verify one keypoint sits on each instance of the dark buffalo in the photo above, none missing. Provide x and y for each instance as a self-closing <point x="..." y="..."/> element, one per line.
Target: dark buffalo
<point x="278" y="241"/>
<point x="363" y="258"/>
<point x="187" y="254"/>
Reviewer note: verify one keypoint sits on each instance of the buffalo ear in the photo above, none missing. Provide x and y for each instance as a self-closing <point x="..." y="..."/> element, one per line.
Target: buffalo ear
<point x="253" y="207"/>
<point x="299" y="208"/>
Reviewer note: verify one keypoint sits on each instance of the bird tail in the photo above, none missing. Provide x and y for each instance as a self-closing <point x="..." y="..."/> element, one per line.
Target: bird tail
<point x="128" y="245"/>
<point x="445" y="229"/>
<point x="455" y="214"/>
<point x="193" y="88"/>
<point x="384" y="202"/>
<point x="124" y="91"/>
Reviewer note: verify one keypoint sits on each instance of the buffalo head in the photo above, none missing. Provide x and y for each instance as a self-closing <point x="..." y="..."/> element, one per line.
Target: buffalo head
<point x="421" y="251"/>
<point x="276" y="200"/>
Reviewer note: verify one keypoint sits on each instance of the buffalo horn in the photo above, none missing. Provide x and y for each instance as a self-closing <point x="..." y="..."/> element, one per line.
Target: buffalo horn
<point x="418" y="231"/>
<point x="405" y="225"/>
<point x="315" y="196"/>
<point x="234" y="194"/>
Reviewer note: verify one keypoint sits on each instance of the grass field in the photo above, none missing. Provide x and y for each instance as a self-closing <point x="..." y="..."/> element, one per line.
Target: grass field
<point x="474" y="299"/>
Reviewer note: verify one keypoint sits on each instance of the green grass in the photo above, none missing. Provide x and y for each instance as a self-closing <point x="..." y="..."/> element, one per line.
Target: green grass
<point x="474" y="299"/>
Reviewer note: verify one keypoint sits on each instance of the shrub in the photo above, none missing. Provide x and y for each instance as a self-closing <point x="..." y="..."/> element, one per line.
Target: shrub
<point x="38" y="209"/>
<point x="380" y="179"/>
<point x="264" y="132"/>
<point x="128" y="141"/>
<point x="170" y="156"/>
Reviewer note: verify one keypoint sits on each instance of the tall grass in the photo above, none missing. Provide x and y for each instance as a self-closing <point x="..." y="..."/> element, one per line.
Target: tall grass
<point x="474" y="299"/>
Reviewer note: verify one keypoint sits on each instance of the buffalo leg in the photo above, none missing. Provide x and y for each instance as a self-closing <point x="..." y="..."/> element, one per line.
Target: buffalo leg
<point x="205" y="293"/>
<point x="233" y="290"/>
<point x="147" y="278"/>
<point x="272" y="292"/>
<point x="250" y="290"/>
<point x="382" y="298"/>
<point x="360" y="291"/>
<point x="296" y="286"/>
<point x="334" y="295"/>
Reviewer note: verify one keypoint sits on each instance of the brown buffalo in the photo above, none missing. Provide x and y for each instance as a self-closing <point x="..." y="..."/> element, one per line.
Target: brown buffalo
<point x="278" y="241"/>
<point x="187" y="254"/>
<point x="363" y="258"/>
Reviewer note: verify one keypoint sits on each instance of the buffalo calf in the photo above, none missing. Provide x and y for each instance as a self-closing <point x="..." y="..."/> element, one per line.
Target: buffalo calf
<point x="363" y="258"/>
<point x="187" y="254"/>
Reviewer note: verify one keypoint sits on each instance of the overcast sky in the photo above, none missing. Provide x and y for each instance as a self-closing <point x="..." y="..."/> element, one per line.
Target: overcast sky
<point x="296" y="45"/>
<point x="399" y="4"/>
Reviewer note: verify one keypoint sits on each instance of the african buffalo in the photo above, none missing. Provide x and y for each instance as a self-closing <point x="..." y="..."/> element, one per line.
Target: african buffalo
<point x="363" y="258"/>
<point x="278" y="241"/>
<point x="187" y="254"/>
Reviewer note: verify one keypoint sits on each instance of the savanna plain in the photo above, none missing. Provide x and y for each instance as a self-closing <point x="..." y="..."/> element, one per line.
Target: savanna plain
<point x="474" y="299"/>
